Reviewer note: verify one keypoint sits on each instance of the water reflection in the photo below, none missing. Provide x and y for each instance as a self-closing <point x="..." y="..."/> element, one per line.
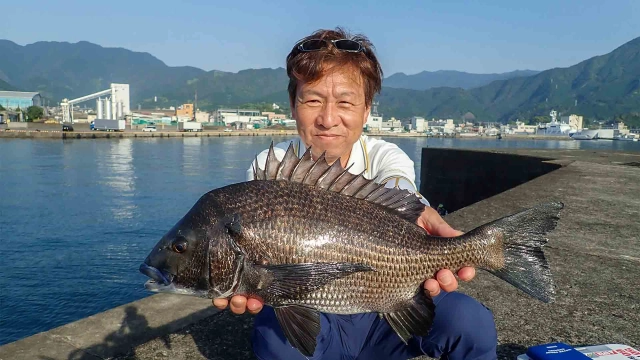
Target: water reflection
<point x="115" y="170"/>
<point x="191" y="155"/>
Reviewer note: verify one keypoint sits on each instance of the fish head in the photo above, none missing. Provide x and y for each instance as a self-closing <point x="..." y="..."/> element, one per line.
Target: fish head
<point x="179" y="262"/>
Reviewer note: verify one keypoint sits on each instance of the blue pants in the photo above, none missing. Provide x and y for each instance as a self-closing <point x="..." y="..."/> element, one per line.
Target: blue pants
<point x="463" y="328"/>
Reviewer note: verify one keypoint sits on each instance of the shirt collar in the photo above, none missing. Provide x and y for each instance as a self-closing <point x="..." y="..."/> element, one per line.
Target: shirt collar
<point x="359" y="156"/>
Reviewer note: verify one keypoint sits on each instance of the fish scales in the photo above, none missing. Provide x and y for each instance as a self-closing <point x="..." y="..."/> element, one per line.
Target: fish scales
<point x="342" y="229"/>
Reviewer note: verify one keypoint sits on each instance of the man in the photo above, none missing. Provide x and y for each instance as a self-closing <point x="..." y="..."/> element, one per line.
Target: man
<point x="333" y="78"/>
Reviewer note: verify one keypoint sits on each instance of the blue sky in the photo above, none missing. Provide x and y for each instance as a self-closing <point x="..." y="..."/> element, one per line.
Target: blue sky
<point x="410" y="36"/>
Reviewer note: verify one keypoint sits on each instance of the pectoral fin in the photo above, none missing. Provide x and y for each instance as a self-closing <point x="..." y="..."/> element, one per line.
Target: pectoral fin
<point x="415" y="319"/>
<point x="290" y="281"/>
<point x="301" y="326"/>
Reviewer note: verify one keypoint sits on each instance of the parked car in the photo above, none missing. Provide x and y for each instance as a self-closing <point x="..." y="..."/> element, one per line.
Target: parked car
<point x="149" y="128"/>
<point x="67" y="128"/>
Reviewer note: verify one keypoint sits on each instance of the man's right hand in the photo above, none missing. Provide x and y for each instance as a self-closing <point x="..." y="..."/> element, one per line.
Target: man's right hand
<point x="239" y="304"/>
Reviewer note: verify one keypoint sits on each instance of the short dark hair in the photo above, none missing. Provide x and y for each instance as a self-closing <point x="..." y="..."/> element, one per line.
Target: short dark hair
<point x="311" y="66"/>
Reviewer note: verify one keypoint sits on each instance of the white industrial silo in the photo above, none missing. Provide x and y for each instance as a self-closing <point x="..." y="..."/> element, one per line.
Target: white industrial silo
<point x="99" y="109"/>
<point x="107" y="104"/>
<point x="119" y="110"/>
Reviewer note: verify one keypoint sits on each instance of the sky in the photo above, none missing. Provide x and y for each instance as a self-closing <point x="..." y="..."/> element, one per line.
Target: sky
<point x="490" y="36"/>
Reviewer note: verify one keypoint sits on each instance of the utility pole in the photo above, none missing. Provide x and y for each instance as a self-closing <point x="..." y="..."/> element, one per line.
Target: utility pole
<point x="195" y="105"/>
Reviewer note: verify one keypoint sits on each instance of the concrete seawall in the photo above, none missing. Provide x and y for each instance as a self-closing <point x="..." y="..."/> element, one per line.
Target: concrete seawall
<point x="594" y="255"/>
<point x="29" y="134"/>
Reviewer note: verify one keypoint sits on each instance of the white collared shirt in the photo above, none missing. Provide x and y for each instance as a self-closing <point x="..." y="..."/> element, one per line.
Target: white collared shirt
<point x="376" y="157"/>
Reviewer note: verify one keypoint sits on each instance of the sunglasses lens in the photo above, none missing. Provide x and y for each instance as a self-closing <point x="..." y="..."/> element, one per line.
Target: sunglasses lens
<point x="347" y="45"/>
<point x="312" y="45"/>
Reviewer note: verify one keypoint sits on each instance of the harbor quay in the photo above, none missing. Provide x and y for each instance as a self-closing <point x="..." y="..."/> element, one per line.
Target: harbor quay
<point x="57" y="134"/>
<point x="594" y="255"/>
<point x="82" y="131"/>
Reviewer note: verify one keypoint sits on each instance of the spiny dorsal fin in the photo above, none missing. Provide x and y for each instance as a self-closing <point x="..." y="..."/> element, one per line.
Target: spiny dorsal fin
<point x="336" y="178"/>
<point x="272" y="164"/>
<point x="289" y="161"/>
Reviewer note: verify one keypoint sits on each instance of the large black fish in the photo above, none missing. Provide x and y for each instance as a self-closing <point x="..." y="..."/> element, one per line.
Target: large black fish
<point x="308" y="237"/>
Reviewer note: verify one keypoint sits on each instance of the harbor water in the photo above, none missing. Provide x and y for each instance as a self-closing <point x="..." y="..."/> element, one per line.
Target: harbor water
<point x="77" y="217"/>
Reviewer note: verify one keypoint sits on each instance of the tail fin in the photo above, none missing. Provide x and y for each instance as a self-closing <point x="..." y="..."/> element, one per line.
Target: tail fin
<point x="523" y="236"/>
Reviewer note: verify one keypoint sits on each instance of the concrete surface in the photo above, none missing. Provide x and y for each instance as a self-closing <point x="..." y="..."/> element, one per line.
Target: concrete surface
<point x="594" y="255"/>
<point x="113" y="332"/>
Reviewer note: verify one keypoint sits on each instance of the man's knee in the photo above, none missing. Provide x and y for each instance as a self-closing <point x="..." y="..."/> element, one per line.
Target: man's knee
<point x="468" y="317"/>
<point x="267" y="339"/>
<point x="463" y="328"/>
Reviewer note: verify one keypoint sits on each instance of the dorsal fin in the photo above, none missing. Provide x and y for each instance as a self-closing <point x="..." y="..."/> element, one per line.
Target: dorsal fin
<point x="336" y="178"/>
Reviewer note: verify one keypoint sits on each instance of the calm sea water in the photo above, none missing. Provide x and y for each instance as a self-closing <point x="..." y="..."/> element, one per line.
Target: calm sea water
<point x="78" y="216"/>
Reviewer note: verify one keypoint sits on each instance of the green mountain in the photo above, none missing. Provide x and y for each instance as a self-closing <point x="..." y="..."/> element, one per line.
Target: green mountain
<point x="60" y="69"/>
<point x="449" y="78"/>
<point x="6" y="86"/>
<point x="601" y="87"/>
<point x="218" y="88"/>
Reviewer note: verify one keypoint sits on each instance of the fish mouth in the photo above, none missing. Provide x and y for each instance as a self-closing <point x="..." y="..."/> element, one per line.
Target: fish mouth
<point x="161" y="282"/>
<point x="157" y="276"/>
<point x="154" y="286"/>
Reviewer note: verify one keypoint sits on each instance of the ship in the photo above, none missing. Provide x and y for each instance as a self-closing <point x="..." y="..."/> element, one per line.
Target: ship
<point x="555" y="127"/>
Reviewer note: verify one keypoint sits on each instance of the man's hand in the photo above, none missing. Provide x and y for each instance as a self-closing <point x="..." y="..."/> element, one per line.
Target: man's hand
<point x="239" y="304"/>
<point x="435" y="225"/>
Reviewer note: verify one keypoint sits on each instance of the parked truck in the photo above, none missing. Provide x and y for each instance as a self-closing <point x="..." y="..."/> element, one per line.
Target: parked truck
<point x="189" y="126"/>
<point x="108" y="125"/>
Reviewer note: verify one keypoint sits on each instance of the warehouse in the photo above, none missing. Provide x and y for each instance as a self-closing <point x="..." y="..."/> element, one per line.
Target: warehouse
<point x="12" y="100"/>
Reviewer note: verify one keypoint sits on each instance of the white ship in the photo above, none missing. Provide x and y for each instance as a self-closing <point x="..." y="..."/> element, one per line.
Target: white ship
<point x="555" y="127"/>
<point x="585" y="135"/>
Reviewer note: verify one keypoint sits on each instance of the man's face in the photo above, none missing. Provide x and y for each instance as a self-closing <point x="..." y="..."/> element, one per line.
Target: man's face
<point x="330" y="113"/>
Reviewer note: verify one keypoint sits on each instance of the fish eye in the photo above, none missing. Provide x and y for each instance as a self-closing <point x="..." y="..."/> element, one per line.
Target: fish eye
<point x="179" y="245"/>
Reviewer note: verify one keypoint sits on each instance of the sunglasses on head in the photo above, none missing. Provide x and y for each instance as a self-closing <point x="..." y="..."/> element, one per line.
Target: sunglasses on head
<point x="340" y="44"/>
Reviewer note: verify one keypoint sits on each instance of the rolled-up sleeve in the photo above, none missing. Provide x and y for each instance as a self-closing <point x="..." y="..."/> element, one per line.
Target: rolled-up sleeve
<point x="394" y="168"/>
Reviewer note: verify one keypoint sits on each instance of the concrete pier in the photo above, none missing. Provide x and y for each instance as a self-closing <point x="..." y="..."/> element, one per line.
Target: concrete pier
<point x="594" y="255"/>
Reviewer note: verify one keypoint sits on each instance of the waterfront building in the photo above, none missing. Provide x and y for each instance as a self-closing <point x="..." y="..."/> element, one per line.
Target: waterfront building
<point x="185" y="112"/>
<point x="449" y="127"/>
<point x="12" y="100"/>
<point x="521" y="128"/>
<point x="574" y="121"/>
<point x="391" y="125"/>
<point x="202" y="116"/>
<point x="271" y="116"/>
<point x="418" y="123"/>
<point x="230" y="116"/>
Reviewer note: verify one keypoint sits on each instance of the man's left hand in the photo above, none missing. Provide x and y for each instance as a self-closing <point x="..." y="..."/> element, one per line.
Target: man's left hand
<point x="435" y="225"/>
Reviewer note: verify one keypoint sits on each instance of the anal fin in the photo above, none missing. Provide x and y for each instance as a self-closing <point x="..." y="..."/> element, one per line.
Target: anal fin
<point x="301" y="326"/>
<point x="415" y="319"/>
